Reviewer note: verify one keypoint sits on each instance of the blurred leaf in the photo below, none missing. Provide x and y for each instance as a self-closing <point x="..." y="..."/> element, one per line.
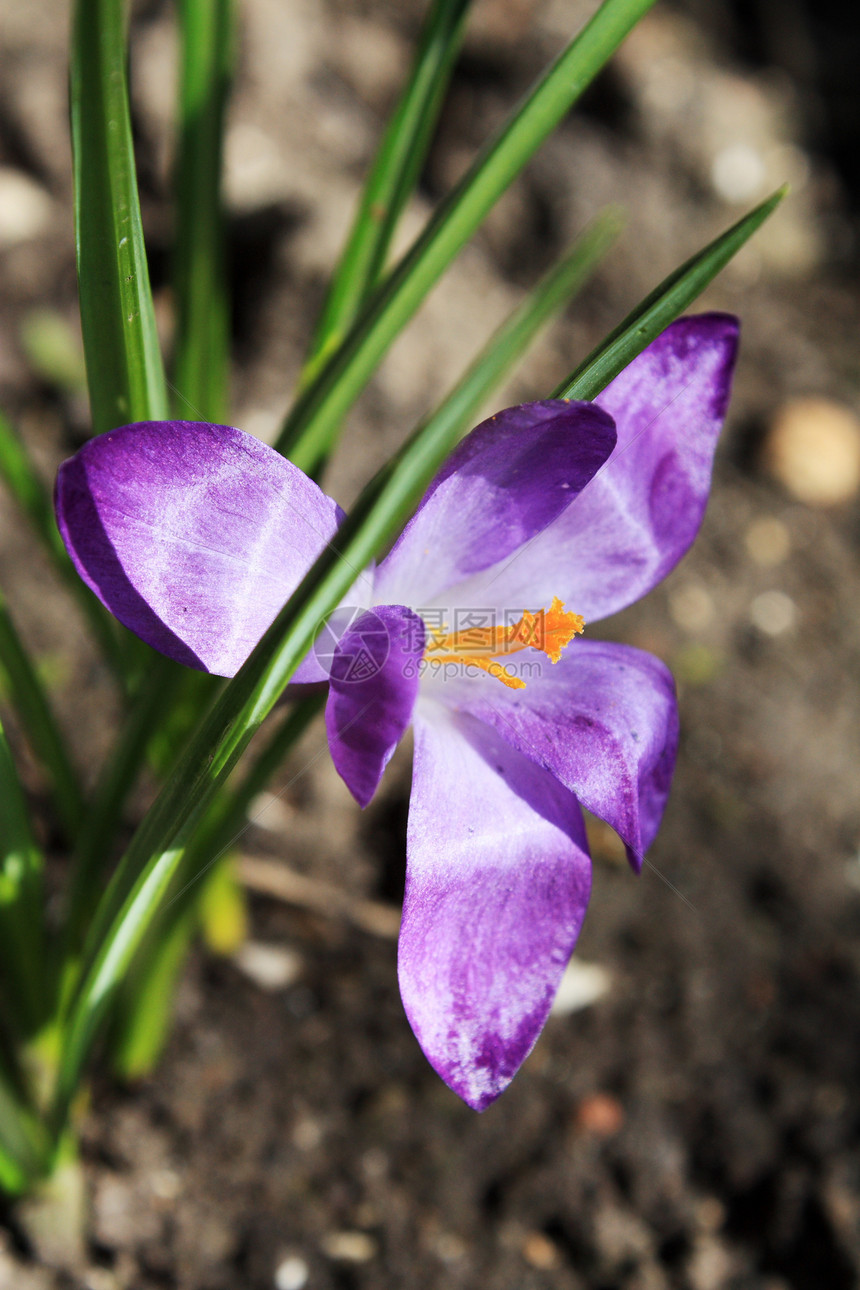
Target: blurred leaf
<point x="22" y="934"/>
<point x="27" y="696"/>
<point x="223" y="909"/>
<point x="22" y="1147"/>
<point x="53" y="348"/>
<point x="142" y="1023"/>
<point x="25" y="485"/>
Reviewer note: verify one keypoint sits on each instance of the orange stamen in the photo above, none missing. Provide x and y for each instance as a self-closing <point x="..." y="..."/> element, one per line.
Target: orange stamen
<point x="548" y="630"/>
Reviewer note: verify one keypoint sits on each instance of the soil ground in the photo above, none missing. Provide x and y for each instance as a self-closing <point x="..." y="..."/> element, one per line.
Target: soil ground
<point x="696" y="1128"/>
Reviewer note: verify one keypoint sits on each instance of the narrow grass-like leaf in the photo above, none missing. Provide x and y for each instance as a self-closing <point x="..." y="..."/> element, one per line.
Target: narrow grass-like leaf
<point x="124" y="368"/>
<point x="392" y="178"/>
<point x="22" y="480"/>
<point x="155" y="855"/>
<point x="228" y="817"/>
<point x="27" y="696"/>
<point x="23" y="1153"/>
<point x="94" y="850"/>
<point x="662" y="306"/>
<point x="20" y="477"/>
<point x="144" y="1000"/>
<point x="206" y="28"/>
<point x="312" y="426"/>
<point x="142" y="1025"/>
<point x="22" y="932"/>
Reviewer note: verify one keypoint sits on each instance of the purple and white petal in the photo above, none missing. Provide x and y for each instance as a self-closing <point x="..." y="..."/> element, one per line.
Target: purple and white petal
<point x="193" y="535"/>
<point x="640" y="513"/>
<point x="497" y="884"/>
<point x="374" y="673"/>
<point x="603" y="721"/>
<point x="503" y="484"/>
<point x="315" y="667"/>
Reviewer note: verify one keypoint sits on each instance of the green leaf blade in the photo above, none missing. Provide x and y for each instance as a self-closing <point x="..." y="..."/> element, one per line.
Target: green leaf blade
<point x="200" y="279"/>
<point x="662" y="306"/>
<point x="312" y="426"/>
<point x="123" y="359"/>
<point x="392" y="178"/>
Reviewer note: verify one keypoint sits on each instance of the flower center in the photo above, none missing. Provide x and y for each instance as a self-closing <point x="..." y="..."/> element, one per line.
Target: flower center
<point x="548" y="631"/>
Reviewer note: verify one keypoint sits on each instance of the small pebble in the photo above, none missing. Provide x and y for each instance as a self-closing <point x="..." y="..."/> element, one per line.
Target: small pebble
<point x="271" y="967"/>
<point x="692" y="607"/>
<point x="581" y="985"/>
<point x="99" y="1279"/>
<point x="307" y="1135"/>
<point x="738" y="173"/>
<point x="600" y="1115"/>
<point x="773" y="612"/>
<point x="25" y="207"/>
<point x="767" y="541"/>
<point x="540" y="1252"/>
<point x="710" y="1214"/>
<point x="292" y="1274"/>
<point x="349" y="1247"/>
<point x="166" y="1184"/>
<point x="449" y="1248"/>
<point x="813" y="450"/>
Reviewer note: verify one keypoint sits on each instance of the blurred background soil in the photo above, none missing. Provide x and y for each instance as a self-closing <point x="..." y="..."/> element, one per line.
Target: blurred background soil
<point x="695" y="1125"/>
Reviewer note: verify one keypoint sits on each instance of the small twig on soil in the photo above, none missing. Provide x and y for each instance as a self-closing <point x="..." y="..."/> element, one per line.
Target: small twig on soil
<point x="271" y="878"/>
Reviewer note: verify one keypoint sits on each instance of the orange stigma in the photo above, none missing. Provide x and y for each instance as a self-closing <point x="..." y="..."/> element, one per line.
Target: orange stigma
<point x="548" y="631"/>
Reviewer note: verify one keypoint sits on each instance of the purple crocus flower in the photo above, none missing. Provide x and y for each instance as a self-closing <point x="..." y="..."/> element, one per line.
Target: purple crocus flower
<point x="196" y="535"/>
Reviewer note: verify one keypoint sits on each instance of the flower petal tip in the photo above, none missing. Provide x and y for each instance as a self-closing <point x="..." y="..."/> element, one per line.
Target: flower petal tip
<point x="636" y="859"/>
<point x="481" y="1082"/>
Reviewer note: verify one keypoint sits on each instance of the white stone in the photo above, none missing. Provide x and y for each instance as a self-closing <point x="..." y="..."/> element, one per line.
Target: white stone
<point x="25" y="207"/>
<point x="271" y="967"/>
<point x="291" y="1274"/>
<point x="738" y="173"/>
<point x="581" y="985"/>
<point x="773" y="612"/>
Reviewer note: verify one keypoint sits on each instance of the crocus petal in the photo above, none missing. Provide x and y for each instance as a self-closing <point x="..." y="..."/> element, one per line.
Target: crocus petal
<point x="641" y="512"/>
<point x="505" y="482"/>
<point x="193" y="535"/>
<point x="497" y="884"/>
<point x="603" y="721"/>
<point x="374" y="679"/>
